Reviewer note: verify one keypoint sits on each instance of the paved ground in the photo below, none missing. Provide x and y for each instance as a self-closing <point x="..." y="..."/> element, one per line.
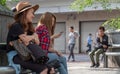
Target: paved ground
<point x="82" y="66"/>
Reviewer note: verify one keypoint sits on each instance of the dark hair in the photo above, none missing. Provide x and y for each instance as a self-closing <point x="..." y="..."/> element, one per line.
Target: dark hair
<point x="90" y="34"/>
<point x="72" y="27"/>
<point x="21" y="18"/>
<point x="101" y="28"/>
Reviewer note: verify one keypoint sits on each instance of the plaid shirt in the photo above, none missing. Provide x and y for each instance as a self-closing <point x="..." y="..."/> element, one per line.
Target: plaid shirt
<point x="44" y="37"/>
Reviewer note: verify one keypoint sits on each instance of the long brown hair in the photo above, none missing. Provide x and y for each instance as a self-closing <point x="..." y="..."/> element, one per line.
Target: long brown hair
<point x="47" y="19"/>
<point x="21" y="18"/>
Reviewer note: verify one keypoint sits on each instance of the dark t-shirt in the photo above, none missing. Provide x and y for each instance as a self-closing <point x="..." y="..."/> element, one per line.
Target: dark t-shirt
<point x="13" y="34"/>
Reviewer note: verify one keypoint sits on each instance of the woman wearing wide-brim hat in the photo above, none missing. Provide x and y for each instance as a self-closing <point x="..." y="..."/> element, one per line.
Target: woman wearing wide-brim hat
<point x="23" y="29"/>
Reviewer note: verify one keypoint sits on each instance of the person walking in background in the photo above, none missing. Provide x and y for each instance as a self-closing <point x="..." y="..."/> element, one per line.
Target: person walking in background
<point x="100" y="48"/>
<point x="89" y="43"/>
<point x="71" y="43"/>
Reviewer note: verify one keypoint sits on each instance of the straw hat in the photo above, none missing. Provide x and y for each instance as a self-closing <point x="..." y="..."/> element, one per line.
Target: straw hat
<point x="23" y="6"/>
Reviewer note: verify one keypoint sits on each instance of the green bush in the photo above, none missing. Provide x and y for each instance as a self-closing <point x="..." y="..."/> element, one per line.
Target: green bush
<point x="3" y="2"/>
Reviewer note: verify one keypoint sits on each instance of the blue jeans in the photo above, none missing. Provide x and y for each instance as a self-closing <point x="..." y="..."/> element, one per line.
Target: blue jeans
<point x="10" y="56"/>
<point x="71" y="49"/>
<point x="63" y="63"/>
<point x="89" y="47"/>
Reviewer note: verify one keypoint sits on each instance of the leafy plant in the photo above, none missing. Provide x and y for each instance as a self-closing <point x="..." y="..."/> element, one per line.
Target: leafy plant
<point x="80" y="5"/>
<point x="3" y="2"/>
<point x="112" y="24"/>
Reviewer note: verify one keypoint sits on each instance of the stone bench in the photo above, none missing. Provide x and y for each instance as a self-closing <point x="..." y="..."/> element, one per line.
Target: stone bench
<point x="109" y="54"/>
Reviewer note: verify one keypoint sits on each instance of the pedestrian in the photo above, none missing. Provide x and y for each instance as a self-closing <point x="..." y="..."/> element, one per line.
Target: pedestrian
<point x="71" y="42"/>
<point x="89" y="43"/>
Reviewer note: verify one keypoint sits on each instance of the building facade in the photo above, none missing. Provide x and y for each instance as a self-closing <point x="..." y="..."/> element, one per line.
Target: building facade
<point x="84" y="22"/>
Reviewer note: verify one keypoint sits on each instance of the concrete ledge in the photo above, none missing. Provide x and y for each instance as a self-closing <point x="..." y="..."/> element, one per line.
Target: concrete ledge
<point x="112" y="53"/>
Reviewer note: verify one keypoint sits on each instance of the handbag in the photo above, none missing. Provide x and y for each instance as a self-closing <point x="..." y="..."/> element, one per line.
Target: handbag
<point x="24" y="53"/>
<point x="39" y="54"/>
<point x="31" y="51"/>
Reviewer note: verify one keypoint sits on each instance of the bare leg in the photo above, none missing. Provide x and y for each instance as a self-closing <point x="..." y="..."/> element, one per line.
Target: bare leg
<point x="44" y="71"/>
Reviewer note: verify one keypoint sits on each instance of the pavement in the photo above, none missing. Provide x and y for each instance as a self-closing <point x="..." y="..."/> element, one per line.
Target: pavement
<point x="82" y="66"/>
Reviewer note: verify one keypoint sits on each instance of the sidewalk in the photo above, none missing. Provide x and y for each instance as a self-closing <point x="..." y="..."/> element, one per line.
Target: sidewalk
<point x="82" y="66"/>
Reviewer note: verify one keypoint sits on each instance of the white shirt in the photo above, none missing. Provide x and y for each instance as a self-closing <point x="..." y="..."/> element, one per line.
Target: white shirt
<point x="72" y="38"/>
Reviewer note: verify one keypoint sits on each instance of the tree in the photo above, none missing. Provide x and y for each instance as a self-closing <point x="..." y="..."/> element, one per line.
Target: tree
<point x="80" y="5"/>
<point x="3" y="2"/>
<point x="111" y="24"/>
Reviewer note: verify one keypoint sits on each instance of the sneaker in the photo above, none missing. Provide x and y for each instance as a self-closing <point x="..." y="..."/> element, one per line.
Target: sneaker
<point x="73" y="60"/>
<point x="93" y="65"/>
<point x="97" y="65"/>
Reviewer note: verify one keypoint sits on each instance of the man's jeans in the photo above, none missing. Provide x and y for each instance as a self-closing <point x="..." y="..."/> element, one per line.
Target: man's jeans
<point x="63" y="63"/>
<point x="89" y="47"/>
<point x="71" y="49"/>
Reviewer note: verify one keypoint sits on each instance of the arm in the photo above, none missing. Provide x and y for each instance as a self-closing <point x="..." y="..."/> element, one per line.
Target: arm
<point x="98" y="43"/>
<point x="36" y="39"/>
<point x="27" y="38"/>
<point x="76" y="34"/>
<point x="56" y="35"/>
<point x="98" y="40"/>
<point x="106" y="42"/>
